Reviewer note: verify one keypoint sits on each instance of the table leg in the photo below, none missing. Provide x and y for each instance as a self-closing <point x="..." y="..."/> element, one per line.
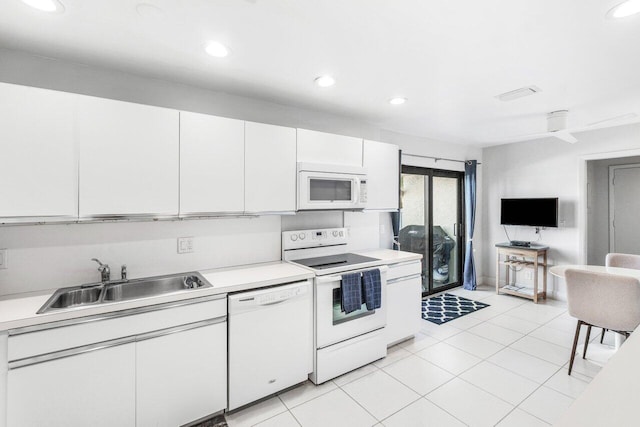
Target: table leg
<point x="498" y="271"/>
<point x="535" y="279"/>
<point x="544" y="279"/>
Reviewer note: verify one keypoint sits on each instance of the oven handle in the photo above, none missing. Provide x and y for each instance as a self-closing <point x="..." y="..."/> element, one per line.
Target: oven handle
<point x="328" y="279"/>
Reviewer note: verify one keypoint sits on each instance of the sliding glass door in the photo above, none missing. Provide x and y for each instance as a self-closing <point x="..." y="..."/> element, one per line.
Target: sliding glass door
<point x="431" y="224"/>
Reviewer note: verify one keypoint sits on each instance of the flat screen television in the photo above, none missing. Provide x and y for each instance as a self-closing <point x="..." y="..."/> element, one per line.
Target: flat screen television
<point x="532" y="212"/>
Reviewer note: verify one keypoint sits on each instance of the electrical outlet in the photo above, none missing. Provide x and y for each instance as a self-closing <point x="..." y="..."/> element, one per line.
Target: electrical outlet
<point x="382" y="229"/>
<point x="185" y="245"/>
<point x="3" y="259"/>
<point x="529" y="275"/>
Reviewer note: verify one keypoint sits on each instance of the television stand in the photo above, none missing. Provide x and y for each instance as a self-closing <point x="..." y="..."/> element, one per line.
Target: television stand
<point x="520" y="258"/>
<point x="520" y="243"/>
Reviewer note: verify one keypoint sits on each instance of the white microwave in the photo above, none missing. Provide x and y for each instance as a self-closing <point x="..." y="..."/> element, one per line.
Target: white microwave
<point x="326" y="187"/>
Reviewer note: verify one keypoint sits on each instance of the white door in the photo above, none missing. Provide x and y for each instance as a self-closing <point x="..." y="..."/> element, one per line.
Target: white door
<point x="90" y="389"/>
<point x="320" y="147"/>
<point x="404" y="299"/>
<point x="38" y="158"/>
<point x="624" y="205"/>
<point x="181" y="377"/>
<point x="382" y="162"/>
<point x="128" y="158"/>
<point x="211" y="164"/>
<point x="270" y="168"/>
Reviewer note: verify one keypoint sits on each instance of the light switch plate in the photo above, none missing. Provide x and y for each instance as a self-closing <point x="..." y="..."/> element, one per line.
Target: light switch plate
<point x="3" y="259"/>
<point x="185" y="245"/>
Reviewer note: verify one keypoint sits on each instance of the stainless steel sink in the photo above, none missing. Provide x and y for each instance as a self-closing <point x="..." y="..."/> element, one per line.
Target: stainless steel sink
<point x="154" y="286"/>
<point x="100" y="293"/>
<point x="76" y="296"/>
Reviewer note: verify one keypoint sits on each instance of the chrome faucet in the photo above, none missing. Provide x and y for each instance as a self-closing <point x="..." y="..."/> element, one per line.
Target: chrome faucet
<point x="123" y="272"/>
<point x="104" y="270"/>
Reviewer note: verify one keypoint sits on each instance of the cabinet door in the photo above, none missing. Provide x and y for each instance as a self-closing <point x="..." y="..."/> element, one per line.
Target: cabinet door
<point x="404" y="298"/>
<point x="128" y="158"/>
<point x="320" y="147"/>
<point x="270" y="168"/>
<point x="181" y="377"/>
<point x="382" y="162"/>
<point x="211" y="164"/>
<point x="38" y="163"/>
<point x="89" y="389"/>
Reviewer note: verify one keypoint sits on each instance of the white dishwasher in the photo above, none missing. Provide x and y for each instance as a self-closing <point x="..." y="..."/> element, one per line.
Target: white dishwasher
<point x="270" y="341"/>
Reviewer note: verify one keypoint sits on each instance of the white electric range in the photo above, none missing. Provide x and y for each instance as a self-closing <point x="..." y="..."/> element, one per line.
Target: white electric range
<point x="342" y="342"/>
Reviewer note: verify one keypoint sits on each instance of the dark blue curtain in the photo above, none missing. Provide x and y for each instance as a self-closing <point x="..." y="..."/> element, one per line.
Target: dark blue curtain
<point x="470" y="217"/>
<point x="395" y="224"/>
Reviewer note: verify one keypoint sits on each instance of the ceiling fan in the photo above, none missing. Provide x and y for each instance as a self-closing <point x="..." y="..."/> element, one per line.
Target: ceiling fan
<point x="557" y="126"/>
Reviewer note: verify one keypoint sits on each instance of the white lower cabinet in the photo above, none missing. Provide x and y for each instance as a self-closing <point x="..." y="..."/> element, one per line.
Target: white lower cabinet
<point x="96" y="388"/>
<point x="181" y="377"/>
<point x="163" y="366"/>
<point x="404" y="299"/>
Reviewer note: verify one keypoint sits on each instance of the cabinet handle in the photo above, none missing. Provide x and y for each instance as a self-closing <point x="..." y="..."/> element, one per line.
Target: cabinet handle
<point x="21" y="363"/>
<point x="400" y="279"/>
<point x="113" y="315"/>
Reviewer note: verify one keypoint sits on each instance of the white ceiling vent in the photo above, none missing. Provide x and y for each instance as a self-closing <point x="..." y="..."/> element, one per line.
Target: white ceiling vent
<point x="518" y="93"/>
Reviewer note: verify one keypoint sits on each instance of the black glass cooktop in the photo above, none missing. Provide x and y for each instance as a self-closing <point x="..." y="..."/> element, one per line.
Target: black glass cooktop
<point x="332" y="261"/>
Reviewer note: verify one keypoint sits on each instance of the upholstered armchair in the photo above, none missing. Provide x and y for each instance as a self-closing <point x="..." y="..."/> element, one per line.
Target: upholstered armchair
<point x="603" y="300"/>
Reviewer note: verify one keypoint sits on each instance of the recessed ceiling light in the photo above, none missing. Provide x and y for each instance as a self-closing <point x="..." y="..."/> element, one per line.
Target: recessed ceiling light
<point x="216" y="49"/>
<point x="627" y="8"/>
<point x="325" y="81"/>
<point x="45" y="5"/>
<point x="397" y="101"/>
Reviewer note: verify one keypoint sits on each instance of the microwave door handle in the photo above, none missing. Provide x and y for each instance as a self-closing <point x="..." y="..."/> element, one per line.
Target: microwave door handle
<point x="356" y="182"/>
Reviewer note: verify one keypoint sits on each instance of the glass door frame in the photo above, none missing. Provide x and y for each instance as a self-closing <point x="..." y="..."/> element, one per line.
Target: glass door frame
<point x="461" y="238"/>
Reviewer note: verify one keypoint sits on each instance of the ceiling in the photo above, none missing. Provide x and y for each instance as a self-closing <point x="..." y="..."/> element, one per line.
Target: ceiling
<point x="449" y="58"/>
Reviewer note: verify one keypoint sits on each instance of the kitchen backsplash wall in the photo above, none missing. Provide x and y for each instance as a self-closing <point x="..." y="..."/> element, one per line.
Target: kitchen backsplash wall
<point x="51" y="256"/>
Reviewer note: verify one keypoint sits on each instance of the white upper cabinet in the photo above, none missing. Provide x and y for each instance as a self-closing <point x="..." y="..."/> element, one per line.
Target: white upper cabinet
<point x="320" y="147"/>
<point x="382" y="163"/>
<point x="270" y="168"/>
<point x="38" y="161"/>
<point x="211" y="164"/>
<point x="128" y="158"/>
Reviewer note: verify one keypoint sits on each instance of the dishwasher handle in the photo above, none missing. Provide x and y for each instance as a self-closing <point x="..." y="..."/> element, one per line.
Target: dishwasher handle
<point x="254" y="300"/>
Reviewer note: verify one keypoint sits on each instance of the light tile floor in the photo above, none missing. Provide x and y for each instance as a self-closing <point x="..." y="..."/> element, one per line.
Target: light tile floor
<point x="504" y="365"/>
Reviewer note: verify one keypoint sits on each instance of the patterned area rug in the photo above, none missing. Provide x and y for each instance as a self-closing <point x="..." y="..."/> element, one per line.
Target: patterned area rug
<point x="444" y="308"/>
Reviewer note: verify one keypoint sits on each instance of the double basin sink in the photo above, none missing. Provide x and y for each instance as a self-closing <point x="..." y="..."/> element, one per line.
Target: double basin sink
<point x="116" y="291"/>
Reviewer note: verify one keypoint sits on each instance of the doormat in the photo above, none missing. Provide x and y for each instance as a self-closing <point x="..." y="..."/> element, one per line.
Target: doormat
<point x="444" y="308"/>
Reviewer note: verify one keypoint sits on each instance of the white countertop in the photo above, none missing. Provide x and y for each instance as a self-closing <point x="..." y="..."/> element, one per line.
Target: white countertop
<point x="390" y="256"/>
<point x="19" y="310"/>
<point x="612" y="396"/>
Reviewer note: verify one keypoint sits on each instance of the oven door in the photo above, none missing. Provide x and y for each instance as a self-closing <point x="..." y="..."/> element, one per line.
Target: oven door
<point x="324" y="190"/>
<point x="332" y="324"/>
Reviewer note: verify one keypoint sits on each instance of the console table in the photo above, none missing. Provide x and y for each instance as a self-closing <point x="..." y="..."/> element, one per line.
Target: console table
<point x="531" y="257"/>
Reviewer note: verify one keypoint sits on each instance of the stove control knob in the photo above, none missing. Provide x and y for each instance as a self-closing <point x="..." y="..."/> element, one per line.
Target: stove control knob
<point x="341" y="233"/>
<point x="335" y="234"/>
<point x="294" y="237"/>
<point x="302" y="236"/>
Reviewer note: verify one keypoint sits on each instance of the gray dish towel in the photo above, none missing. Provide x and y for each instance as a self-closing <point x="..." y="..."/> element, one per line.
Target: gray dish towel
<point x="351" y="288"/>
<point x="372" y="289"/>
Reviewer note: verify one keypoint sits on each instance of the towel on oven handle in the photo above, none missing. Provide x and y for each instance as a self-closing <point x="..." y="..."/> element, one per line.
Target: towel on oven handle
<point x="351" y="289"/>
<point x="372" y="285"/>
